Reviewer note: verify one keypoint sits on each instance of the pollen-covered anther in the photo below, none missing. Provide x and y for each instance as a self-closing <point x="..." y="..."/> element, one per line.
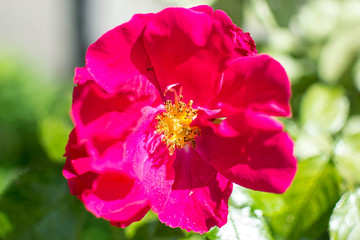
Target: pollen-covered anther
<point x="174" y="125"/>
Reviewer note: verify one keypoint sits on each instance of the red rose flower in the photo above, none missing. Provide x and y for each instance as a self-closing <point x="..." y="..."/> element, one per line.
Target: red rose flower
<point x="172" y="109"/>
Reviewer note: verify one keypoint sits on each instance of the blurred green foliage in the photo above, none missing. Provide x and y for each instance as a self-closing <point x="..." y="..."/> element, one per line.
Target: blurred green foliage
<point x="318" y="44"/>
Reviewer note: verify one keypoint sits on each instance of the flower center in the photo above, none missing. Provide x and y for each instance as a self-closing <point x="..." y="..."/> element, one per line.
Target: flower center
<point x="174" y="125"/>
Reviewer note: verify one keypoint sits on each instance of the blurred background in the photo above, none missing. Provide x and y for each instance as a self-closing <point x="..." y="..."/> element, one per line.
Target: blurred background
<point x="318" y="43"/>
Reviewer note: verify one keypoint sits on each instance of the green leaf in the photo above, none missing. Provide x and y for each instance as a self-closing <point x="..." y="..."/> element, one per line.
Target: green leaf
<point x="233" y="8"/>
<point x="283" y="10"/>
<point x="7" y="175"/>
<point x="345" y="220"/>
<point x="339" y="53"/>
<point x="304" y="210"/>
<point x="54" y="135"/>
<point x="24" y="91"/>
<point x="157" y="230"/>
<point x="5" y="224"/>
<point x="97" y="228"/>
<point x="316" y="19"/>
<point x="26" y="94"/>
<point x="54" y="128"/>
<point x="347" y="158"/>
<point x="39" y="206"/>
<point x="313" y="143"/>
<point x="352" y="126"/>
<point x="244" y="224"/>
<point x="149" y="219"/>
<point x="213" y="234"/>
<point x="324" y="109"/>
<point x="10" y="145"/>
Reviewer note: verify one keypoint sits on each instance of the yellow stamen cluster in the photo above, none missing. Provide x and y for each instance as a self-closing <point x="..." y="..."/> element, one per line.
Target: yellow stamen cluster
<point x="174" y="124"/>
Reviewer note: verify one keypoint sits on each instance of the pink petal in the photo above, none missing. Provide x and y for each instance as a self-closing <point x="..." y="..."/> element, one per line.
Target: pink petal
<point x="79" y="184"/>
<point x="101" y="192"/>
<point x="259" y="83"/>
<point x="190" y="48"/>
<point x="107" y="186"/>
<point x="203" y="8"/>
<point x="199" y="196"/>
<point x="244" y="123"/>
<point x="75" y="153"/>
<point x="82" y="75"/>
<point x="124" y="184"/>
<point x="142" y="208"/>
<point x="103" y="120"/>
<point x="118" y="58"/>
<point x="244" y="45"/>
<point x="124" y="204"/>
<point x="77" y="162"/>
<point x="260" y="157"/>
<point x="146" y="158"/>
<point x="150" y="160"/>
<point x="117" y="201"/>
